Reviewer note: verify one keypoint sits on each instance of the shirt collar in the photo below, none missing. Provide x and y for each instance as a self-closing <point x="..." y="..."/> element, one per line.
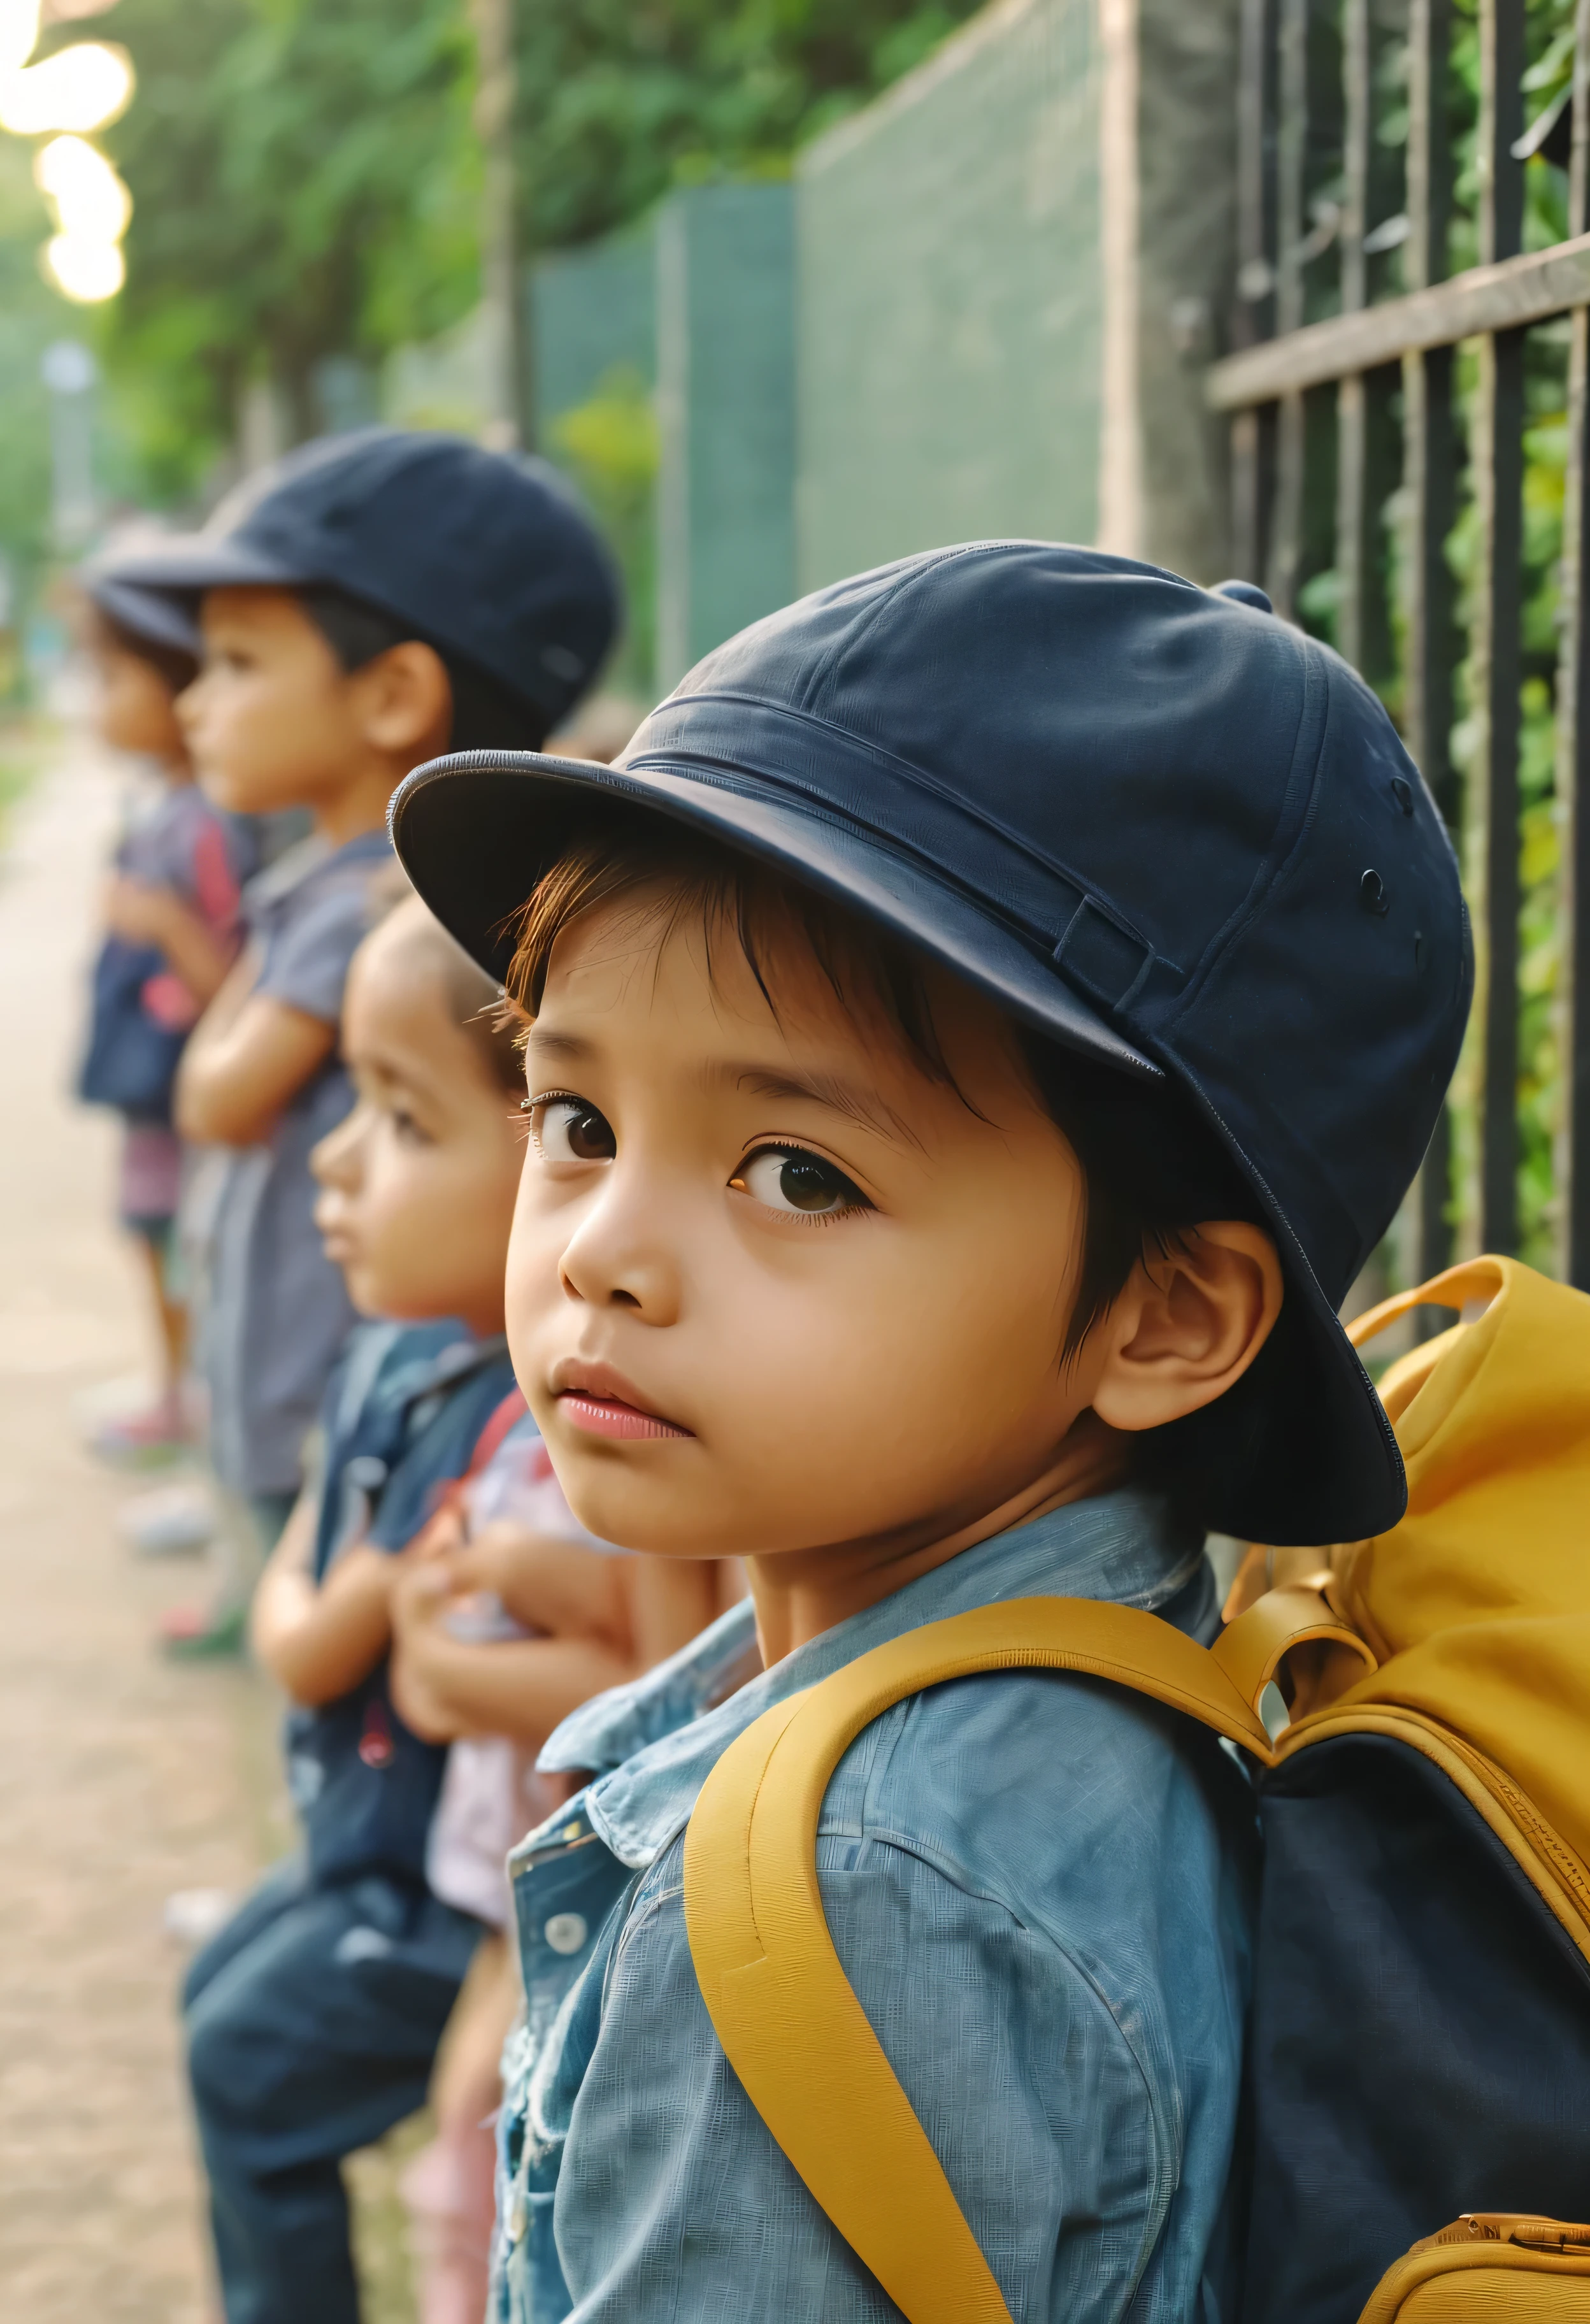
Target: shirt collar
<point x="652" y="1744"/>
<point x="307" y="856"/>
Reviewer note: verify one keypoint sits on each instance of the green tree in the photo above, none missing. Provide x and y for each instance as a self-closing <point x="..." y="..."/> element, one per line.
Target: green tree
<point x="303" y="176"/>
<point x="618" y="99"/>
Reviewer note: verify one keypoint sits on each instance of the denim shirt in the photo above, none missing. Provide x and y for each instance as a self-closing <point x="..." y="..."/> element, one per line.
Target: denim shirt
<point x="1041" y="1888"/>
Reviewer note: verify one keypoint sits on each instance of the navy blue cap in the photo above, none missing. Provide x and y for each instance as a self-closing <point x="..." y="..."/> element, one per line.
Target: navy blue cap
<point x="1150" y="820"/>
<point x="149" y="615"/>
<point x="483" y="555"/>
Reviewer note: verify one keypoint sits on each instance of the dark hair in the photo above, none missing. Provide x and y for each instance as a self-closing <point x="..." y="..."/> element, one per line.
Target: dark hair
<point x="178" y="669"/>
<point x="1151" y="1169"/>
<point x="485" y="714"/>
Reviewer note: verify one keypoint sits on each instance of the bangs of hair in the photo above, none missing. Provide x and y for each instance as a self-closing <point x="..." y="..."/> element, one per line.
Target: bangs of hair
<point x="685" y="878"/>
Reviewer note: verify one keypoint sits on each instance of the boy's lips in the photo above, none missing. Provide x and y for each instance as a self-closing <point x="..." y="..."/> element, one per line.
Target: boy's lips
<point x="600" y="1402"/>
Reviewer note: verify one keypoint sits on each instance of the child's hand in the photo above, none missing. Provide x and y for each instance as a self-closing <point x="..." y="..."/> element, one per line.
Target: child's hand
<point x="137" y="911"/>
<point x="421" y="1587"/>
<point x="555" y="1586"/>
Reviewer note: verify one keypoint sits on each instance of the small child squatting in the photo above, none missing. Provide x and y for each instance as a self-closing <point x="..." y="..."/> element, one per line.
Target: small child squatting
<point x="952" y="1208"/>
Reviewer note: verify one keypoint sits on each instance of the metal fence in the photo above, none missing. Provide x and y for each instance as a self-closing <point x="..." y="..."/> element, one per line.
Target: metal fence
<point x="1329" y="415"/>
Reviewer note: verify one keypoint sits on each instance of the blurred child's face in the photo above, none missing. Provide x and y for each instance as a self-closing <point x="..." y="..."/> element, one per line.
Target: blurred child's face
<point x="418" y="1184"/>
<point x="273" y="719"/>
<point x="772" y="1288"/>
<point x="136" y="709"/>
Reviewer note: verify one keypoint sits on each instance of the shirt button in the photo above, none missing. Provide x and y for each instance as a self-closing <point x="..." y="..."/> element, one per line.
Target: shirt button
<point x="565" y="1931"/>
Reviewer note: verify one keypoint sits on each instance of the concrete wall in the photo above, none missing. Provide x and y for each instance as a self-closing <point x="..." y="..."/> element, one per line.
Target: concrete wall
<point x="950" y="301"/>
<point x="1012" y="270"/>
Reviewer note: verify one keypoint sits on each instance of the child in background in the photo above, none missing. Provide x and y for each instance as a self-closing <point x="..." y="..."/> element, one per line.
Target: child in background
<point x="371" y="600"/>
<point x="514" y="1615"/>
<point x="170" y="913"/>
<point x="313" y="2018"/>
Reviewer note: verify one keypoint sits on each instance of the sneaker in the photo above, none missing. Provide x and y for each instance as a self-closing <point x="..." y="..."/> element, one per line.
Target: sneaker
<point x="151" y="1439"/>
<point x="171" y="1521"/>
<point x="198" y="1634"/>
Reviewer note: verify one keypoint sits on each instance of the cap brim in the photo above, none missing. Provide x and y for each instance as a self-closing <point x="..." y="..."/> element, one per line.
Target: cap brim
<point x="150" y="614"/>
<point x="476" y="831"/>
<point x="1301" y="1450"/>
<point x="191" y="563"/>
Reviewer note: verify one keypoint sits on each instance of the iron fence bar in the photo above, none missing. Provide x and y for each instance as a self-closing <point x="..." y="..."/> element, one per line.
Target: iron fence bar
<point x="1291" y="156"/>
<point x="1507" y="296"/>
<point x="1573" y="734"/>
<point x="1430" y="477"/>
<point x="1354" y="513"/>
<point x="1254" y="281"/>
<point x="1491" y="805"/>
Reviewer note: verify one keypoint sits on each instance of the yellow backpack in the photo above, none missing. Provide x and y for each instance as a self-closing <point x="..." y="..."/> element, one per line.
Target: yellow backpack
<point x="1440" y="1700"/>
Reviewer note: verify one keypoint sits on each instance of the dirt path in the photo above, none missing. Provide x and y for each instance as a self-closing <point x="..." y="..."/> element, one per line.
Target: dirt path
<point x="120" y="1779"/>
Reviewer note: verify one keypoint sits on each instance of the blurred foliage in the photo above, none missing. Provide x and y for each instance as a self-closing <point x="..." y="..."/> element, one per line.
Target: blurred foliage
<point x="619" y="99"/>
<point x="30" y="315"/>
<point x="608" y="445"/>
<point x="304" y="177"/>
<point x="1540" y="1077"/>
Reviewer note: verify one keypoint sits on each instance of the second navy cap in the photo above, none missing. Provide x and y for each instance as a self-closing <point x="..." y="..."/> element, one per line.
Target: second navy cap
<point x="485" y="555"/>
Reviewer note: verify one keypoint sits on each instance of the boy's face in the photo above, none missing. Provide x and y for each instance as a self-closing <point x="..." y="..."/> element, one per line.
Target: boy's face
<point x="135" y="707"/>
<point x="771" y="1288"/>
<point x="273" y="719"/>
<point x="418" y="1184"/>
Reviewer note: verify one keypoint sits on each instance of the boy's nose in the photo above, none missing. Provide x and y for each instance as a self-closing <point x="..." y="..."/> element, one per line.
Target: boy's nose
<point x="622" y="1254"/>
<point x="334" y="1160"/>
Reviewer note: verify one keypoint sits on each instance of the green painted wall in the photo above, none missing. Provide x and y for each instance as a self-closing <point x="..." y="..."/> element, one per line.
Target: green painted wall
<point x="949" y="300"/>
<point x="593" y="323"/>
<point x="592" y="312"/>
<point x="725" y="415"/>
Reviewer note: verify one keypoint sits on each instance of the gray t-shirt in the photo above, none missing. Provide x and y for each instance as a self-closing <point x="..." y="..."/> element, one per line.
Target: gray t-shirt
<point x="275" y="1311"/>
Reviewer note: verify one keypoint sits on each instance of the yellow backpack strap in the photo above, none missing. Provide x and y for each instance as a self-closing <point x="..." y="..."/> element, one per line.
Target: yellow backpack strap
<point x="777" y="1996"/>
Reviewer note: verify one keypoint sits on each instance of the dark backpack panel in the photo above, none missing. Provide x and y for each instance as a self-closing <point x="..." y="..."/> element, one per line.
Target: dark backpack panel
<point x="131" y="1062"/>
<point x="1421" y="2030"/>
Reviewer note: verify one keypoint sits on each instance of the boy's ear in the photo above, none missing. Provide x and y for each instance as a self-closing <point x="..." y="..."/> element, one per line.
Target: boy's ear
<point x="1188" y="1325"/>
<point x="405" y="700"/>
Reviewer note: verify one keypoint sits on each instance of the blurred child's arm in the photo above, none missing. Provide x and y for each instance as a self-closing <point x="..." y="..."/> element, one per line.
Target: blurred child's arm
<point x="522" y="1688"/>
<point x="155" y="916"/>
<point x="319" y="1639"/>
<point x="444" y="1686"/>
<point x="247" y="1056"/>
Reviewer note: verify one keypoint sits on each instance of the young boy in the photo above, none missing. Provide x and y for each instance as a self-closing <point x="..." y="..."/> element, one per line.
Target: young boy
<point x="170" y="917"/>
<point x="368" y="601"/>
<point x="979" y="1029"/>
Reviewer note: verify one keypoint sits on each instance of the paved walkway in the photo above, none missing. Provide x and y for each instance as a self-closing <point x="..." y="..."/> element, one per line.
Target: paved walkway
<point x="120" y="1779"/>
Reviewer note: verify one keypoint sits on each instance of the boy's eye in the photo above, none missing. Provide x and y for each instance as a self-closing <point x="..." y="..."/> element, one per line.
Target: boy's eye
<point x="788" y="1179"/>
<point x="567" y="1129"/>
